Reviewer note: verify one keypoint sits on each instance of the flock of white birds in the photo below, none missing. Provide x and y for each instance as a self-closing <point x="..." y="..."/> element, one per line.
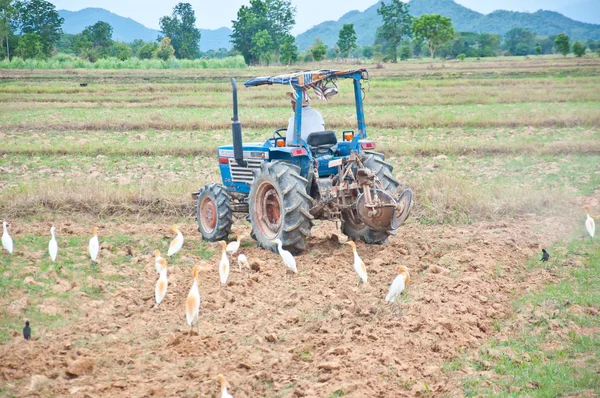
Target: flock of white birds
<point x="192" y="304"/>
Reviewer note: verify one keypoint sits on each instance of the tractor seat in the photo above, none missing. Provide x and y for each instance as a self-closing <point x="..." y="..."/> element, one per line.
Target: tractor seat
<point x="321" y="142"/>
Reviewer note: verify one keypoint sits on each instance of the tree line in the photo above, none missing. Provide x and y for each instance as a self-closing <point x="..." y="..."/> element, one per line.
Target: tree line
<point x="262" y="35"/>
<point x="33" y="29"/>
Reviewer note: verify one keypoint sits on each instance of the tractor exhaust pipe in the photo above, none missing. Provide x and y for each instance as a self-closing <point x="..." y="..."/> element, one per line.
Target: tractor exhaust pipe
<point x="236" y="129"/>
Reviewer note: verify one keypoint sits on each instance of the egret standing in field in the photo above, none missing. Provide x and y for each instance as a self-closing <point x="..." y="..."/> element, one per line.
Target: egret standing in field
<point x="177" y="243"/>
<point x="590" y="225"/>
<point x="359" y="265"/>
<point x="397" y="288"/>
<point x="53" y="245"/>
<point x="224" y="393"/>
<point x="243" y="262"/>
<point x="7" y="242"/>
<point x="288" y="260"/>
<point x="94" y="245"/>
<point x="233" y="247"/>
<point x="157" y="258"/>
<point x="192" y="303"/>
<point x="161" y="285"/>
<point x="223" y="264"/>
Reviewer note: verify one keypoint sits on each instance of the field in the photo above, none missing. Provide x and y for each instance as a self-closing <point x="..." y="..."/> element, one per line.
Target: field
<point x="502" y="155"/>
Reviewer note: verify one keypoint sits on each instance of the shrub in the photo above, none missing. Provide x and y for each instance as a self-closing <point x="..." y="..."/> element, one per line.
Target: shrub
<point x="461" y="57"/>
<point x="578" y="49"/>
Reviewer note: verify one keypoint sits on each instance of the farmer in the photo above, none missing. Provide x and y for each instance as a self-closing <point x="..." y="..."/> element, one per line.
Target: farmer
<point x="312" y="120"/>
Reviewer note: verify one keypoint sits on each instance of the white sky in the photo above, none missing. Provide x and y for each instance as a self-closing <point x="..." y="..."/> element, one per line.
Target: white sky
<point x="309" y="12"/>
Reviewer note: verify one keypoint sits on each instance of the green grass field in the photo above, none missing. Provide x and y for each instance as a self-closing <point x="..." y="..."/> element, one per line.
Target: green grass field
<point x="478" y="141"/>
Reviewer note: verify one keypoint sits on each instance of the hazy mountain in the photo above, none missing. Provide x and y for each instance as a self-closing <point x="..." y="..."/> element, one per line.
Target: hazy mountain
<point x="126" y="29"/>
<point x="463" y="19"/>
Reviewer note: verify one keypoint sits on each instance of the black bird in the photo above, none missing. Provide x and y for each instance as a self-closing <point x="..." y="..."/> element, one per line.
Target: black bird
<point x="545" y="255"/>
<point x="27" y="331"/>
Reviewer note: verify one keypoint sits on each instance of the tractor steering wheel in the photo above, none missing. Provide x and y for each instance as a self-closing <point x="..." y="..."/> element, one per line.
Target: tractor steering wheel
<point x="277" y="133"/>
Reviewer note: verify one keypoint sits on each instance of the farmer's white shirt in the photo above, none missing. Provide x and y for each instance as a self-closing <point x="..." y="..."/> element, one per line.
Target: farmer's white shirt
<point x="311" y="121"/>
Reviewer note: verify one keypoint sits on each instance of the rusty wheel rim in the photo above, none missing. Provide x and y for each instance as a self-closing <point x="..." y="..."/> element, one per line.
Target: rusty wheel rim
<point x="208" y="215"/>
<point x="268" y="210"/>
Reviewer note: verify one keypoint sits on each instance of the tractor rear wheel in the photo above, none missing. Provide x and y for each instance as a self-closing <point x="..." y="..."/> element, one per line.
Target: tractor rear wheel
<point x="213" y="212"/>
<point x="375" y="162"/>
<point x="279" y="207"/>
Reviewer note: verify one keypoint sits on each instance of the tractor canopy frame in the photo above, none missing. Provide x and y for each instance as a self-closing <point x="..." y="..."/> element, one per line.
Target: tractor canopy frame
<point x="302" y="81"/>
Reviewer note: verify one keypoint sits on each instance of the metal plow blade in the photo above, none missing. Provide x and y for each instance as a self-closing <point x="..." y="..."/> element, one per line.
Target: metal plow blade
<point x="380" y="211"/>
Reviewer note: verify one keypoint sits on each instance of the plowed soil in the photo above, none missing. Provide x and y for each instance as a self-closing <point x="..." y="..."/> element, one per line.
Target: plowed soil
<point x="314" y="334"/>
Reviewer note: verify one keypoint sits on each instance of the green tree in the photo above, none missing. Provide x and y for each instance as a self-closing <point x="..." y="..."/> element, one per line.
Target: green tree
<point x="288" y="51"/>
<point x="40" y="17"/>
<point x="94" y="41"/>
<point x="519" y="41"/>
<point x="318" y="50"/>
<point x="405" y="52"/>
<point x="30" y="46"/>
<point x="121" y="50"/>
<point x="346" y="40"/>
<point x="165" y="50"/>
<point x="262" y="45"/>
<point x="136" y="45"/>
<point x="488" y="44"/>
<point x="147" y="51"/>
<point x="538" y="50"/>
<point x="433" y="29"/>
<point x="396" y="25"/>
<point x="274" y="16"/>
<point x="562" y="44"/>
<point x="367" y="52"/>
<point x="180" y="27"/>
<point x="578" y="49"/>
<point x="7" y="10"/>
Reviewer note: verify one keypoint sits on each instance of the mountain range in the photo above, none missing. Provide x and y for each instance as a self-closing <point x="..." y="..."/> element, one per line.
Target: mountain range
<point x="127" y="30"/>
<point x="464" y="20"/>
<point x="366" y="22"/>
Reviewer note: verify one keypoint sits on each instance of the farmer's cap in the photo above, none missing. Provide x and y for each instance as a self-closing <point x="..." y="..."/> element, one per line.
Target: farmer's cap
<point x="292" y="97"/>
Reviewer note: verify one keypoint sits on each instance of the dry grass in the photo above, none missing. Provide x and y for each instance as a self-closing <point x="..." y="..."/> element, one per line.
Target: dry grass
<point x="446" y="198"/>
<point x="100" y="200"/>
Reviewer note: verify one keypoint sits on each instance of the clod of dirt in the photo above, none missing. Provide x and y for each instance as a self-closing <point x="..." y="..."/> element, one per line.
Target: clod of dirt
<point x="256" y="265"/>
<point x="80" y="367"/>
<point x="38" y="382"/>
<point x="329" y="366"/>
<point x="271" y="337"/>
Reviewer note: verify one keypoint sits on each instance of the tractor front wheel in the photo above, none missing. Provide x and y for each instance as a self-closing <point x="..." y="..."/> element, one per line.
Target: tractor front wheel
<point x="213" y="212"/>
<point x="279" y="207"/>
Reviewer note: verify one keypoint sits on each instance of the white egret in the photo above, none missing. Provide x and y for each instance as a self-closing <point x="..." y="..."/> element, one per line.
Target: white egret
<point x="157" y="258"/>
<point x="224" y="393"/>
<point x="590" y="225"/>
<point x="397" y="287"/>
<point x="192" y="303"/>
<point x="7" y="242"/>
<point x="359" y="265"/>
<point x="233" y="247"/>
<point x="288" y="260"/>
<point x="223" y="264"/>
<point x="177" y="243"/>
<point x="161" y="285"/>
<point x="94" y="245"/>
<point x="53" y="245"/>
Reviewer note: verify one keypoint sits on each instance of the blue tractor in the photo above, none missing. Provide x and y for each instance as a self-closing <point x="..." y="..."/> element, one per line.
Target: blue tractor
<point x="284" y="186"/>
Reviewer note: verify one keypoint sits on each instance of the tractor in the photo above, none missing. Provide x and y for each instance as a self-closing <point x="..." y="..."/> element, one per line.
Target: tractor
<point x="282" y="187"/>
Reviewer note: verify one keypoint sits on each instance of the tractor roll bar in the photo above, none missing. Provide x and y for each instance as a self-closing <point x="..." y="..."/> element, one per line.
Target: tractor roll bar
<point x="236" y="129"/>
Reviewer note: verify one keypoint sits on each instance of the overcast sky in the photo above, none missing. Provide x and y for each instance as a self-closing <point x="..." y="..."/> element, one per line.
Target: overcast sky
<point x="309" y="12"/>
